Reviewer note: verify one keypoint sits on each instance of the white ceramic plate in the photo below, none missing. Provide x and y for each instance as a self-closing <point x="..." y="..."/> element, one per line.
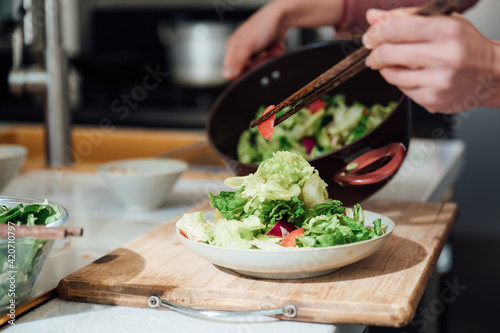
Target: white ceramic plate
<point x="292" y="263"/>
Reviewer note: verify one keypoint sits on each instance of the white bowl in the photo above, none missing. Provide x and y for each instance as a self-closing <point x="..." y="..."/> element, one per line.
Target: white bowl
<point x="142" y="184"/>
<point x="12" y="158"/>
<point x="292" y="263"/>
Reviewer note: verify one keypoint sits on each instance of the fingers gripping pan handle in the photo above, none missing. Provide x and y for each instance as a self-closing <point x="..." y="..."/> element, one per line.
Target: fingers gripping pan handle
<point x="372" y="167"/>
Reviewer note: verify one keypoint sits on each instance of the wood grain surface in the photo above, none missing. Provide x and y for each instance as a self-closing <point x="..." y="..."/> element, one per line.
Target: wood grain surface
<point x="383" y="289"/>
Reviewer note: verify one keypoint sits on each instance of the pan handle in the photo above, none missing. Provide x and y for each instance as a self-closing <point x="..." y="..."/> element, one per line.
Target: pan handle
<point x="372" y="167"/>
<point x="289" y="311"/>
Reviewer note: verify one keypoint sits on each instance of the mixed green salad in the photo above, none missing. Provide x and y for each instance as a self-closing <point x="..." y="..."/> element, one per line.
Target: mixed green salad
<point x="23" y="258"/>
<point x="283" y="204"/>
<point x="324" y="126"/>
<point x="30" y="214"/>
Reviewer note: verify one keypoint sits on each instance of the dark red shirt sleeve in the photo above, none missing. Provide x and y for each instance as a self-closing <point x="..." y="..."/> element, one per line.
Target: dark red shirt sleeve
<point x="353" y="18"/>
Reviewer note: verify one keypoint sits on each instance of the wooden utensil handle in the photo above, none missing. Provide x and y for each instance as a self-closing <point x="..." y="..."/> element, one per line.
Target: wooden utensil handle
<point x="39" y="231"/>
<point x="351" y="70"/>
<point x="342" y="71"/>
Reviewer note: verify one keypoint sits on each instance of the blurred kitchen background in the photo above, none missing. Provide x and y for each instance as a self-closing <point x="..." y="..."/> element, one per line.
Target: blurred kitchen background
<point x="477" y="233"/>
<point x="152" y="64"/>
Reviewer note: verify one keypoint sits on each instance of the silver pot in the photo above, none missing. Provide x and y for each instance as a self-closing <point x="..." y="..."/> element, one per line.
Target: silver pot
<point x="196" y="51"/>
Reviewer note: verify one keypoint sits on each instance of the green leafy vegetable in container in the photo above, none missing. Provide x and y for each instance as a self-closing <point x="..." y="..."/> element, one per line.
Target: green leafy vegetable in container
<point x="21" y="259"/>
<point x="324" y="126"/>
<point x="30" y="214"/>
<point x="283" y="204"/>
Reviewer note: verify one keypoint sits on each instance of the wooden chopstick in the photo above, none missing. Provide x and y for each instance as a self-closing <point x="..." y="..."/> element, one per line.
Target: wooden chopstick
<point x="342" y="71"/>
<point x="39" y="231"/>
<point x="347" y="74"/>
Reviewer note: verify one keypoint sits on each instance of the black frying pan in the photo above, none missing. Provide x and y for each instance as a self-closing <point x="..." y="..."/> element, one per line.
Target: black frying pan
<point x="378" y="154"/>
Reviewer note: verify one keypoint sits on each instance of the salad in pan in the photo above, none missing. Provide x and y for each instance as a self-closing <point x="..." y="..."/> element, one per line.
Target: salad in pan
<point x="283" y="204"/>
<point x="326" y="125"/>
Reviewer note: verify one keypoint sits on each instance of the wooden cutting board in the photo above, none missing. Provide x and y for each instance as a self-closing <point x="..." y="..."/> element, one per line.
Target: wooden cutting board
<point x="383" y="289"/>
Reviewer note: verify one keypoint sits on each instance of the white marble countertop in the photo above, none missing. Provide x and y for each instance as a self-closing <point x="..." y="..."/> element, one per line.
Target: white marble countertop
<point x="430" y="169"/>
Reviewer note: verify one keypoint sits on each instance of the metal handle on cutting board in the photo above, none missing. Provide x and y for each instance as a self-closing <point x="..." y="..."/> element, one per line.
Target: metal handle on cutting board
<point x="289" y="311"/>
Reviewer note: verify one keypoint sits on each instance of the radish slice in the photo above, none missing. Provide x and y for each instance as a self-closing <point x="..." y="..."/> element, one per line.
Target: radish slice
<point x="308" y="144"/>
<point x="281" y="229"/>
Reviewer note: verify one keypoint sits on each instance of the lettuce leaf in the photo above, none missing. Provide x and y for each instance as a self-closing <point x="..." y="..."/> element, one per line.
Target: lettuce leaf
<point x="314" y="190"/>
<point x="328" y="225"/>
<point x="282" y="177"/>
<point x="196" y="227"/>
<point x="230" y="204"/>
<point x="236" y="234"/>
<point x="271" y="212"/>
<point x="31" y="214"/>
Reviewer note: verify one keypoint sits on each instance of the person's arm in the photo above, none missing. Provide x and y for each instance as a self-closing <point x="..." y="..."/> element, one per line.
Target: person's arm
<point x="443" y="63"/>
<point x="262" y="35"/>
<point x="354" y="11"/>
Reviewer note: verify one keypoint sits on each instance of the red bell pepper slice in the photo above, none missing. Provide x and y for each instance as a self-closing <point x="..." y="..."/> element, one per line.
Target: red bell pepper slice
<point x="183" y="233"/>
<point x="266" y="127"/>
<point x="289" y="240"/>
<point x="316" y="105"/>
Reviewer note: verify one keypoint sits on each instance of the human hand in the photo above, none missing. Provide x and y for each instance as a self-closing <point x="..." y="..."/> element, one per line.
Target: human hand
<point x="443" y="63"/>
<point x="256" y="40"/>
<point x="262" y="35"/>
